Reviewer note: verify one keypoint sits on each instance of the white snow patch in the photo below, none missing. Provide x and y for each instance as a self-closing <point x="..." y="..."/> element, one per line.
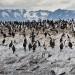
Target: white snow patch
<point x="17" y="15"/>
<point x="44" y="13"/>
<point x="4" y="14"/>
<point x="31" y="16"/>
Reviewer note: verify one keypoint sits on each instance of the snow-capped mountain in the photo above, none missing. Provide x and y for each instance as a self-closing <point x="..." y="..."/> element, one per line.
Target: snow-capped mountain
<point x="23" y="15"/>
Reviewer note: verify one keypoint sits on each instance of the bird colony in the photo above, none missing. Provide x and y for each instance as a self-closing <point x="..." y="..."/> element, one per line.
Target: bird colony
<point x="37" y="48"/>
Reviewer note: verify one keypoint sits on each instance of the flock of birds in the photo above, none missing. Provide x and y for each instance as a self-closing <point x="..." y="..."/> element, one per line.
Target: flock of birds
<point x="9" y="29"/>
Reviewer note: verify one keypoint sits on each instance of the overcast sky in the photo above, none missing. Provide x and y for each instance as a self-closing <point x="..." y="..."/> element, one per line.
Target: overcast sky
<point x="37" y="4"/>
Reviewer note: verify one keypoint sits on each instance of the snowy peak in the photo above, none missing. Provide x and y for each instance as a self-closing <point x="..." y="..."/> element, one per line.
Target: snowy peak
<point x="23" y="15"/>
<point x="12" y="15"/>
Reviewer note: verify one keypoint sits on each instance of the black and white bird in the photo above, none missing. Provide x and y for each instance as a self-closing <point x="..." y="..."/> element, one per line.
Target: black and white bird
<point x="3" y="41"/>
<point x="61" y="46"/>
<point x="13" y="49"/>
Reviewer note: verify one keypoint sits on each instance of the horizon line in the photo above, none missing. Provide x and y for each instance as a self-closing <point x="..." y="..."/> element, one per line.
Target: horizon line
<point x="34" y="10"/>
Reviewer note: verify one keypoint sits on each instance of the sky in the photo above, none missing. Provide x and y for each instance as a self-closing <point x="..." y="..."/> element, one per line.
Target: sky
<point x="34" y="5"/>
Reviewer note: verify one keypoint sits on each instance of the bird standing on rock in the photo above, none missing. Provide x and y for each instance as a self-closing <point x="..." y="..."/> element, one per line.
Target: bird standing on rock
<point x="13" y="49"/>
<point x="3" y="41"/>
<point x="70" y="44"/>
<point x="61" y="46"/>
<point x="30" y="46"/>
<point x="10" y="45"/>
<point x="34" y="47"/>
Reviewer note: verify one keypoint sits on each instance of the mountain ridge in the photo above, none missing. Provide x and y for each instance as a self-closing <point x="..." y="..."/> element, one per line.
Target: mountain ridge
<point x="23" y="15"/>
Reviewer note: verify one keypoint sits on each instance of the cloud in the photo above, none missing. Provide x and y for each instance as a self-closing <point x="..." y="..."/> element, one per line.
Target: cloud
<point x="10" y="2"/>
<point x="38" y="4"/>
